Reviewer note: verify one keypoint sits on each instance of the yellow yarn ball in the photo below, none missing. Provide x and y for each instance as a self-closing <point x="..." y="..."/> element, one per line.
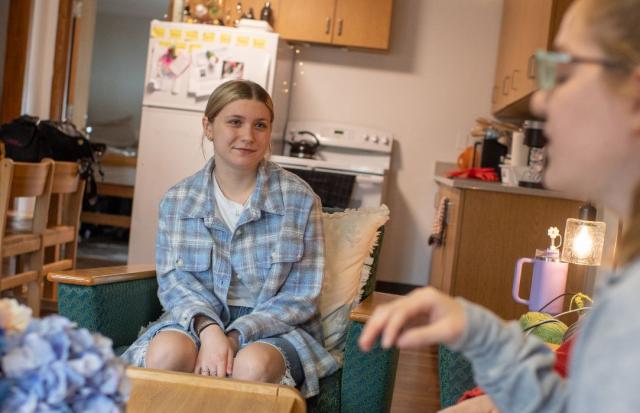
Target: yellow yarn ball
<point x="551" y="332"/>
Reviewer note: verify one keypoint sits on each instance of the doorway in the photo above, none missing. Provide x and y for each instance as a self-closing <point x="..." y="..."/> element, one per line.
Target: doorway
<point x="107" y="101"/>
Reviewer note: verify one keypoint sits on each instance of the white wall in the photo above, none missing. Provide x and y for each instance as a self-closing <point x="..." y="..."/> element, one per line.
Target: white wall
<point x="428" y="90"/>
<point x="118" y="67"/>
<point x="4" y="17"/>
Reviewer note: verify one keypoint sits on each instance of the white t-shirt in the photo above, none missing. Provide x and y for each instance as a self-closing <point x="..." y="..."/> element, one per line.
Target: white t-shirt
<point x="230" y="211"/>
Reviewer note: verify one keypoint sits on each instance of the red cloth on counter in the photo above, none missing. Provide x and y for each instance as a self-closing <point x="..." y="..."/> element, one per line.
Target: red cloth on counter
<point x="483" y="174"/>
<point x="561" y="367"/>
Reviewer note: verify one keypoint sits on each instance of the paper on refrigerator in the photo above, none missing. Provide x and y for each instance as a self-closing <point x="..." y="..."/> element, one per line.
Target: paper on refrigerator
<point x="168" y="65"/>
<point x="197" y="64"/>
<point x="213" y="66"/>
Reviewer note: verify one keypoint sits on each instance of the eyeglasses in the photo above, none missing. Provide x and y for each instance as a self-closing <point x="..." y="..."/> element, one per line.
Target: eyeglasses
<point x="548" y="63"/>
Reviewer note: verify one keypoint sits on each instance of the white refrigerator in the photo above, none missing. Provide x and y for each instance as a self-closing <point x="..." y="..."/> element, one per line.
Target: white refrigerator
<point x="185" y="63"/>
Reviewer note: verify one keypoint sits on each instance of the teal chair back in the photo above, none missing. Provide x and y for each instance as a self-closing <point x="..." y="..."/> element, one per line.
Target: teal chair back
<point x="456" y="376"/>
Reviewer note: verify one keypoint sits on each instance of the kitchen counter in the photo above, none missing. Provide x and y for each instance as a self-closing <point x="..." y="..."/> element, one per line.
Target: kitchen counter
<point x="475" y="184"/>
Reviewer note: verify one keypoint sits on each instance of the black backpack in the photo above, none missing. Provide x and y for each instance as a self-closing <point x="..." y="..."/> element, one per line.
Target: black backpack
<point x="22" y="141"/>
<point x="28" y="140"/>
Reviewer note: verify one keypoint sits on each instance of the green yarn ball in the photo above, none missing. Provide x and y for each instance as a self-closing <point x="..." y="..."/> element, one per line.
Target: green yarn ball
<point x="551" y="332"/>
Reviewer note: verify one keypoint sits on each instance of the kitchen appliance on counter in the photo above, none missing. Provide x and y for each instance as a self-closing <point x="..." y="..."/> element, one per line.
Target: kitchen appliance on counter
<point x="303" y="144"/>
<point x="185" y="63"/>
<point x="349" y="167"/>
<point x="535" y="140"/>
<point x="492" y="150"/>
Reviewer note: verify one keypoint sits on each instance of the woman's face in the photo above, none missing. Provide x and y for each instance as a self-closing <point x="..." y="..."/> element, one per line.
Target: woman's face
<point x="589" y="125"/>
<point x="241" y="133"/>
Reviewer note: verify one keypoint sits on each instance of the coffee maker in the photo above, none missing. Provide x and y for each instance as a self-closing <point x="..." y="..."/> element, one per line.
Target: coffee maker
<point x="535" y="141"/>
<point x="492" y="150"/>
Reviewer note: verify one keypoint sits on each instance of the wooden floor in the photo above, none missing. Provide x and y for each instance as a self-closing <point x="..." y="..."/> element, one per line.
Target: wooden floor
<point x="417" y="388"/>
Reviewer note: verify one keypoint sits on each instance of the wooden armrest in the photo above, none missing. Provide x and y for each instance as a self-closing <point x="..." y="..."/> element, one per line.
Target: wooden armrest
<point x="105" y="275"/>
<point x="364" y="310"/>
<point x="168" y="391"/>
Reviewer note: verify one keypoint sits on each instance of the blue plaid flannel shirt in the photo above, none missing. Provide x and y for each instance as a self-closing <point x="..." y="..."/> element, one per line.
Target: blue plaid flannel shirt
<point x="277" y="249"/>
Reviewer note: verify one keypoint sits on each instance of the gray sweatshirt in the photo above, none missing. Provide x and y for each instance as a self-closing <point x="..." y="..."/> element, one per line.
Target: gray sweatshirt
<point x="604" y="371"/>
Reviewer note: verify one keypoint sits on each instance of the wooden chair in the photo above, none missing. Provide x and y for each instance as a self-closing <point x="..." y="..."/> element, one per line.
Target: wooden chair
<point x="61" y="236"/>
<point x="2" y="151"/>
<point x="25" y="180"/>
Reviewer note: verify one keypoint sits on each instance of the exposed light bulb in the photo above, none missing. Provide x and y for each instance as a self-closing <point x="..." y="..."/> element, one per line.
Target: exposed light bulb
<point x="582" y="243"/>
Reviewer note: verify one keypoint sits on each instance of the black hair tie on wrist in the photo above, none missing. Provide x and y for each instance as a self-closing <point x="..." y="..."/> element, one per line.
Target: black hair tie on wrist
<point x="205" y="326"/>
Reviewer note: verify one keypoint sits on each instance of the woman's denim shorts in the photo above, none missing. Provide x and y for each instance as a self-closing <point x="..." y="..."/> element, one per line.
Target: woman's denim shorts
<point x="288" y="351"/>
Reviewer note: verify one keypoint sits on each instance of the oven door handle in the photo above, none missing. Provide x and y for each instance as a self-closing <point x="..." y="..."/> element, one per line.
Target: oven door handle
<point x="360" y="177"/>
<point x="369" y="179"/>
<point x="295" y="166"/>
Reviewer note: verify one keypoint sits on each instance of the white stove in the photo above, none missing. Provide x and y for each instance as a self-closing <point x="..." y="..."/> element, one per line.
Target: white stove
<point x="345" y="150"/>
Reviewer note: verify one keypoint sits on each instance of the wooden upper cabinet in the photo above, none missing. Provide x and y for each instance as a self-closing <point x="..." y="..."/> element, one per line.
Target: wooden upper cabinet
<point x="527" y="25"/>
<point x="534" y="34"/>
<point x="362" y="23"/>
<point x="308" y="21"/>
<point x="506" y="47"/>
<point x="354" y="23"/>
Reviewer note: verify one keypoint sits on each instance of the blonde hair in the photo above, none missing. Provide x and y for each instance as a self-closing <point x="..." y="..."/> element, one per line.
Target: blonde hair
<point x="236" y="90"/>
<point x="630" y="242"/>
<point x="614" y="26"/>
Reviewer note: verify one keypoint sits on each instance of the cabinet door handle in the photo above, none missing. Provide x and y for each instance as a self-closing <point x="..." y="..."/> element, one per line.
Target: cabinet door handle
<point x="327" y="25"/>
<point x="505" y="81"/>
<point x="447" y="214"/>
<point x="531" y="67"/>
<point x="340" y="24"/>
<point x="513" y="79"/>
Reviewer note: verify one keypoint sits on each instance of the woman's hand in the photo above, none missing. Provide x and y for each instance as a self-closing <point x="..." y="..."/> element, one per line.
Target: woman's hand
<point x="424" y="317"/>
<point x="480" y="404"/>
<point x="216" y="354"/>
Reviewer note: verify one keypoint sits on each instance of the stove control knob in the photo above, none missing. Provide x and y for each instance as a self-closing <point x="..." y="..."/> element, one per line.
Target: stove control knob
<point x="366" y="138"/>
<point x="386" y="141"/>
<point x="376" y="139"/>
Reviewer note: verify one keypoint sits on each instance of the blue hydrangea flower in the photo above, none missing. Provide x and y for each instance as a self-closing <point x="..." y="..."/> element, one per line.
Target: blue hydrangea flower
<point x="52" y="366"/>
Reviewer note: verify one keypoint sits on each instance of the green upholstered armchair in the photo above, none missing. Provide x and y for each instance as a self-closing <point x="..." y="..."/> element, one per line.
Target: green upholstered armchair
<point x="118" y="301"/>
<point x="456" y="376"/>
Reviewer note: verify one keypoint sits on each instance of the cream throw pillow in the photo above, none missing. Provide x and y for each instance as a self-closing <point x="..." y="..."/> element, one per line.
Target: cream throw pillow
<point x="349" y="239"/>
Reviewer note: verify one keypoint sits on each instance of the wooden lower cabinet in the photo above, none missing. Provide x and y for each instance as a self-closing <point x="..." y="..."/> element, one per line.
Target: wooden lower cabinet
<point x="485" y="235"/>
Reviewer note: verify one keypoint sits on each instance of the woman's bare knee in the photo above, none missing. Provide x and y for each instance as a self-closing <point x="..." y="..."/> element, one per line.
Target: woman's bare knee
<point x="259" y="362"/>
<point x="171" y="350"/>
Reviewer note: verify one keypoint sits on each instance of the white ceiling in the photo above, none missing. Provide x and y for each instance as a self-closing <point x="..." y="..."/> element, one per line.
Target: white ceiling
<point x="153" y="9"/>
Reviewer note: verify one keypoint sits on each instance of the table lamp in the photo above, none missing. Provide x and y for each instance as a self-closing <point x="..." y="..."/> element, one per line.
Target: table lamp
<point x="584" y="238"/>
<point x="583" y="244"/>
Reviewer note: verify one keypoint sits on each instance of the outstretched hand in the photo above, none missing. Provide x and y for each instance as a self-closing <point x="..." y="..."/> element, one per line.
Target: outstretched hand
<point x="424" y="317"/>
